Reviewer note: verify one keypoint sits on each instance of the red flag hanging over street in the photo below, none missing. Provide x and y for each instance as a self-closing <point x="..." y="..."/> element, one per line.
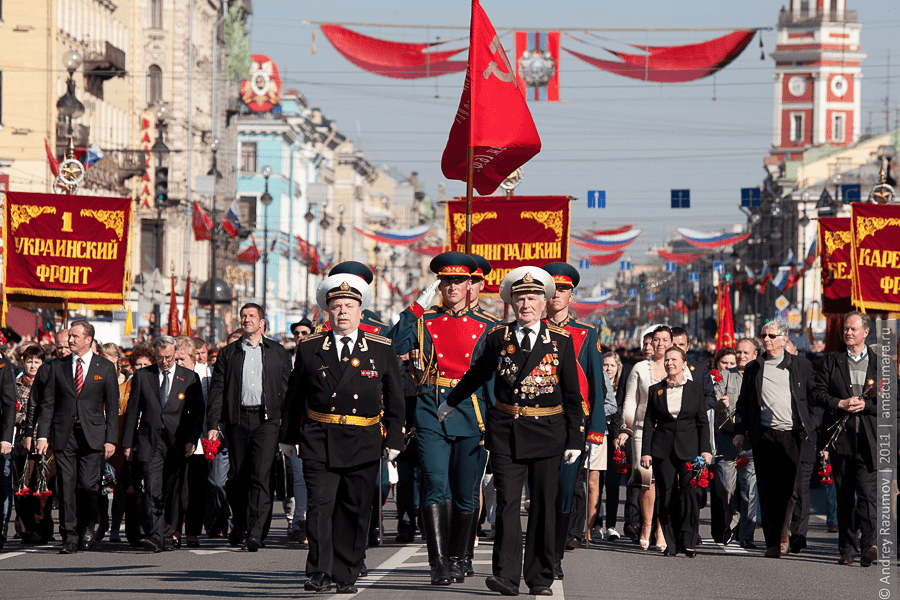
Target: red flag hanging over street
<point x="492" y="117"/>
<point x="725" y="332"/>
<point x="186" y="327"/>
<point x="173" y="311"/>
<point x="251" y="253"/>
<point x="202" y="223"/>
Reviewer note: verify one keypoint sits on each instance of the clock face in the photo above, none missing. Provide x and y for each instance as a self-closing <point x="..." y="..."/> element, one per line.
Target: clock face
<point x="839" y="85"/>
<point x="797" y="85"/>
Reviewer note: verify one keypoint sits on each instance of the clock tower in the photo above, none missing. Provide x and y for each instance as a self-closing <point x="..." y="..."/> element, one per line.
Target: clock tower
<point x="817" y="78"/>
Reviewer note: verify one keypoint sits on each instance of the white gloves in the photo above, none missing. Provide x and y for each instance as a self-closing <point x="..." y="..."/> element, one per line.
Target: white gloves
<point x="288" y="450"/>
<point x="391" y="454"/>
<point x="444" y="412"/>
<point x="425" y="298"/>
<point x="571" y="456"/>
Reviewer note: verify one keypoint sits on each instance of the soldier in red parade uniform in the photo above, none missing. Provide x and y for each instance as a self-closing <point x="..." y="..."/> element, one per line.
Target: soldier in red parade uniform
<point x="535" y="421"/>
<point x="447" y="338"/>
<point x="598" y="401"/>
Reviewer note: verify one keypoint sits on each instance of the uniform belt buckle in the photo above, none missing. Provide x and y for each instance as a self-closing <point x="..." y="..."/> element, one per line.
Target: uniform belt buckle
<point x="343" y="420"/>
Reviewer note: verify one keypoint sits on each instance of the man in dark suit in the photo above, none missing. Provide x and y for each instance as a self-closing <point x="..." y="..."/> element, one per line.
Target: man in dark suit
<point x="845" y="389"/>
<point x="79" y="413"/>
<point x="246" y="395"/>
<point x="773" y="414"/>
<point x="536" y="420"/>
<point x="7" y="426"/>
<point x="163" y="421"/>
<point x="342" y="378"/>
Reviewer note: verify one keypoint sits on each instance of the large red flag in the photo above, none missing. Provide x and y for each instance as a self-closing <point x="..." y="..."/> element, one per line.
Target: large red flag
<point x="250" y="254"/>
<point x="173" y="311"/>
<point x="202" y="223"/>
<point x="186" y="327"/>
<point x="725" y="332"/>
<point x="492" y="117"/>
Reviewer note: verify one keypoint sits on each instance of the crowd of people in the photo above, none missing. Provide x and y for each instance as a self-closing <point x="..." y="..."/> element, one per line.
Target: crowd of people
<point x="158" y="444"/>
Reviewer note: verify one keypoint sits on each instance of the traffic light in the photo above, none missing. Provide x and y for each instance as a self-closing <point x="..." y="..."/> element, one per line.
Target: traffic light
<point x="48" y="320"/>
<point x="162" y="186"/>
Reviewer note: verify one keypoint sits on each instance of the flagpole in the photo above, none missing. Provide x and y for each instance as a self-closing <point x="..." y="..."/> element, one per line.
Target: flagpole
<point x="470" y="154"/>
<point x="470" y="175"/>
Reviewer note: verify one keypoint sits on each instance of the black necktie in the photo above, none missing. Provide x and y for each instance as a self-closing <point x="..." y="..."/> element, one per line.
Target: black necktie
<point x="164" y="389"/>
<point x="526" y="340"/>
<point x="345" y="351"/>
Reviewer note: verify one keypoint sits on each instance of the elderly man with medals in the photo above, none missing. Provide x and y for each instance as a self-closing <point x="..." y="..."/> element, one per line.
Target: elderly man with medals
<point x="343" y="381"/>
<point x="598" y="401"/>
<point x="451" y="454"/>
<point x="536" y="421"/>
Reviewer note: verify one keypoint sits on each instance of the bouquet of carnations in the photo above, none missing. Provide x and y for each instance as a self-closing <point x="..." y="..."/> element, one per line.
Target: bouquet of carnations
<point x="621" y="461"/>
<point x="868" y="394"/>
<point x="825" y="475"/>
<point x="702" y="475"/>
<point x="42" y="491"/>
<point x="210" y="447"/>
<point x="742" y="460"/>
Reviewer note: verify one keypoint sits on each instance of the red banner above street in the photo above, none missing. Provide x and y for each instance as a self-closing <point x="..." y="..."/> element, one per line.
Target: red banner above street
<point x="876" y="256"/>
<point x="834" y="241"/>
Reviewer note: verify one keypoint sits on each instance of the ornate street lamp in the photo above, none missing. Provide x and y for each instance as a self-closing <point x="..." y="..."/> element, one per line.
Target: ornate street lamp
<point x="71" y="171"/>
<point x="266" y="200"/>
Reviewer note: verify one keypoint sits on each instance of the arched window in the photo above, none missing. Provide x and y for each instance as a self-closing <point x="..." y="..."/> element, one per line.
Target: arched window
<point x="156" y="10"/>
<point x="154" y="85"/>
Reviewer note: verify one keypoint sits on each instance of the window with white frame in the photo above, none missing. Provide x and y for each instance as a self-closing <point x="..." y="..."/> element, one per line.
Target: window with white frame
<point x="837" y="127"/>
<point x="796" y="127"/>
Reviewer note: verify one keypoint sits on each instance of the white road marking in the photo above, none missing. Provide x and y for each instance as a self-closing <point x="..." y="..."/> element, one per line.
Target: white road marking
<point x="10" y="555"/>
<point x="557" y="588"/>
<point x="732" y="548"/>
<point x="387" y="566"/>
<point x="206" y="552"/>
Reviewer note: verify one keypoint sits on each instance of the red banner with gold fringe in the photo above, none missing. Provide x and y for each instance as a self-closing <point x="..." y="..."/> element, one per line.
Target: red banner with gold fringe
<point x="66" y="250"/>
<point x="876" y="256"/>
<point x="524" y="230"/>
<point x="834" y="241"/>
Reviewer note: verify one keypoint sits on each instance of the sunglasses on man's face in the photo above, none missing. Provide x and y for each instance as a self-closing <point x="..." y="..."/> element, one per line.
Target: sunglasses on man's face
<point x="771" y="336"/>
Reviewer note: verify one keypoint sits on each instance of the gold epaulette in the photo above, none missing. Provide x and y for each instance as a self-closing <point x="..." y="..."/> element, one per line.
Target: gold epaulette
<point x="378" y="338"/>
<point x="559" y="330"/>
<point x="498" y="327"/>
<point x="314" y="336"/>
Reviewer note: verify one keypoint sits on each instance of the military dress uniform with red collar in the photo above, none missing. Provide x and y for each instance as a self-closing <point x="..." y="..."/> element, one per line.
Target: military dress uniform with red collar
<point x="596" y="398"/>
<point x="451" y="454"/>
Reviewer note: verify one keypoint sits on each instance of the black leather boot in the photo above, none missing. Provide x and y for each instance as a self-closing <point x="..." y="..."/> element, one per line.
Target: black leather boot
<point x="434" y="517"/>
<point x="470" y="548"/>
<point x="460" y="532"/>
<point x="562" y="534"/>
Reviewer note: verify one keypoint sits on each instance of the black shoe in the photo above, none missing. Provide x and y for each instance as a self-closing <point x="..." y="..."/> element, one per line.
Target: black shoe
<point x="192" y="542"/>
<point x="869" y="556"/>
<point x="797" y="543"/>
<point x="345" y="588"/>
<point x="374" y="538"/>
<point x="87" y="540"/>
<point x="467" y="567"/>
<point x="557" y="570"/>
<point x="630" y="532"/>
<point x="748" y="545"/>
<point x="169" y="545"/>
<point x="846" y="560"/>
<point x="235" y="537"/>
<point x="502" y="585"/>
<point x="363" y="571"/>
<point x="730" y="536"/>
<point x="318" y="582"/>
<point x="540" y="590"/>
<point x="690" y="553"/>
<point x="251" y="544"/>
<point x="457" y="569"/>
<point x="152" y="546"/>
<point x="405" y="537"/>
<point x="69" y="548"/>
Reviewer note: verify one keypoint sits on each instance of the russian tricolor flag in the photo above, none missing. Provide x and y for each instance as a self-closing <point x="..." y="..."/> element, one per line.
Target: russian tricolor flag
<point x="232" y="222"/>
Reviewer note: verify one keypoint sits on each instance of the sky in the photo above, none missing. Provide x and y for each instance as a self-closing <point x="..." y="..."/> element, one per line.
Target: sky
<point x="635" y="140"/>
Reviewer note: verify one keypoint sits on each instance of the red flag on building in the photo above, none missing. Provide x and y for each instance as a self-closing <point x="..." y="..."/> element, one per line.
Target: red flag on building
<point x="725" y="330"/>
<point x="493" y="118"/>
<point x="173" y="311"/>
<point x="54" y="164"/>
<point x="186" y="327"/>
<point x="251" y="254"/>
<point x="202" y="223"/>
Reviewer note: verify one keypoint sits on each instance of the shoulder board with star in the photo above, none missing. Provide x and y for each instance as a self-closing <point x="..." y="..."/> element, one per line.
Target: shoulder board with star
<point x="480" y="312"/>
<point x="582" y="324"/>
<point x="558" y="330"/>
<point x="498" y="327"/>
<point x="318" y="335"/>
<point x="377" y="338"/>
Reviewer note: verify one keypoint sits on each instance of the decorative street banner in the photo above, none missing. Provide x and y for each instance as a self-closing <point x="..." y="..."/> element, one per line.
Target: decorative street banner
<point x="66" y="250"/>
<point x="876" y="256"/>
<point x="525" y="230"/>
<point x="834" y="240"/>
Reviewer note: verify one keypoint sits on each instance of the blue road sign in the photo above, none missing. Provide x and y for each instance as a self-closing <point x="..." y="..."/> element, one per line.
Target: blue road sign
<point x="851" y="192"/>
<point x="671" y="266"/>
<point x="693" y="276"/>
<point x="632" y="293"/>
<point x="719" y="267"/>
<point x="681" y="198"/>
<point x="625" y="265"/>
<point x="596" y="199"/>
<point x="751" y="197"/>
<point x="651" y="297"/>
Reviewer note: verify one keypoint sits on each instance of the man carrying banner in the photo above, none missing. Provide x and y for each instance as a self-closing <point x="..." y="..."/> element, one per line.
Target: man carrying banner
<point x="537" y="418"/>
<point x="598" y="401"/>
<point x="451" y="454"/>
<point x="342" y="381"/>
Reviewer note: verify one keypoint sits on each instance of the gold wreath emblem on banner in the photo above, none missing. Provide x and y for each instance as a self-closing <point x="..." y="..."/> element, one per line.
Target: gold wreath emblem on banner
<point x="112" y="219"/>
<point x="550" y="219"/>
<point x="867" y="226"/>
<point x="459" y="221"/>
<point x="22" y="214"/>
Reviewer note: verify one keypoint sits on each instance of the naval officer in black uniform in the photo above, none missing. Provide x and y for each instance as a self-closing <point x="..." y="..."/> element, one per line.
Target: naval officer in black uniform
<point x="343" y="379"/>
<point x="535" y="421"/>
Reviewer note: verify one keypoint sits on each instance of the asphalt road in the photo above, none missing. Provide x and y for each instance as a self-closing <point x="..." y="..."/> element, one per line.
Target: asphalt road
<point x="618" y="570"/>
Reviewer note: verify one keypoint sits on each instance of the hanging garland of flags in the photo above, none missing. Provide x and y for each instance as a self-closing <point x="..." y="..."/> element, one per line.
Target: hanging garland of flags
<point x="679" y="259"/>
<point x="709" y="241"/>
<point x="606" y="243"/>
<point x="396" y="237"/>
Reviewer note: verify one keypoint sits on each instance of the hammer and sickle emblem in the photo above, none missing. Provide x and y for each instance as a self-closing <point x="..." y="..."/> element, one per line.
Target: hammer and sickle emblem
<point x="492" y="68"/>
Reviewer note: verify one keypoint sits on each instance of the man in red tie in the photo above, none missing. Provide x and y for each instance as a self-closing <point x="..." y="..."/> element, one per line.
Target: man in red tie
<point x="78" y="418"/>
